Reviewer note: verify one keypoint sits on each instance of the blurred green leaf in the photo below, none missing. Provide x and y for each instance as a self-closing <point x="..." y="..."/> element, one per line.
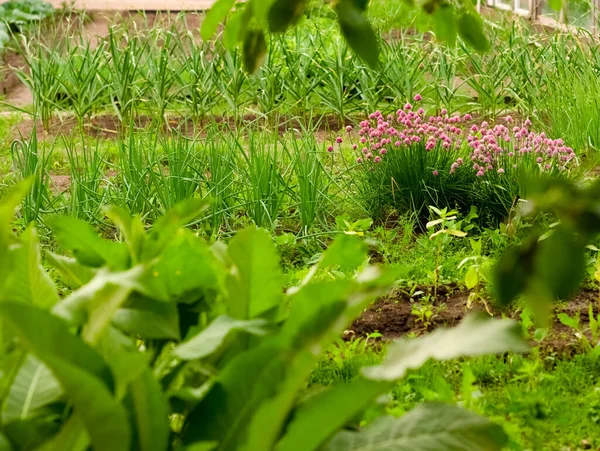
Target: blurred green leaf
<point x="210" y="339"/>
<point x="556" y="5"/>
<point x="325" y="413"/>
<point x="148" y="318"/>
<point x="255" y="48"/>
<point x="150" y="413"/>
<point x="90" y="303"/>
<point x="10" y="202"/>
<point x="255" y="281"/>
<point x="470" y="29"/>
<point x="474" y="336"/>
<point x="285" y="13"/>
<point x="358" y="31"/>
<point x="27" y="280"/>
<point x="445" y="24"/>
<point x="234" y="29"/>
<point x="215" y="15"/>
<point x="513" y="271"/>
<point x="560" y="263"/>
<point x="104" y="418"/>
<point x="186" y="268"/>
<point x="346" y="251"/>
<point x="88" y="248"/>
<point x="168" y="225"/>
<point x="33" y="388"/>
<point x="431" y="426"/>
<point x="74" y="273"/>
<point x="131" y="227"/>
<point x="49" y="339"/>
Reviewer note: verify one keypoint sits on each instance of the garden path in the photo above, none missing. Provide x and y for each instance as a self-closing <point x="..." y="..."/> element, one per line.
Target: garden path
<point x="139" y="5"/>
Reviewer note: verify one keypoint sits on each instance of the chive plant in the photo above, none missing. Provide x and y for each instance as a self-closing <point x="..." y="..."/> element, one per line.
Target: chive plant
<point x="31" y="161"/>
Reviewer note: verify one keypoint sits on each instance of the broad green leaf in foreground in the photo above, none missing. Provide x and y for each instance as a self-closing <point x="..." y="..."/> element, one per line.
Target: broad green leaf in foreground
<point x="319" y="313"/>
<point x="33" y="387"/>
<point x="325" y="413"/>
<point x="147" y="318"/>
<point x="90" y="305"/>
<point x="167" y="226"/>
<point x="26" y="279"/>
<point x="73" y="272"/>
<point x="210" y="339"/>
<point x="48" y="337"/>
<point x="10" y="202"/>
<point x="429" y="427"/>
<point x="255" y="282"/>
<point x="80" y="238"/>
<point x="103" y="417"/>
<point x="474" y="336"/>
<point x="151" y="413"/>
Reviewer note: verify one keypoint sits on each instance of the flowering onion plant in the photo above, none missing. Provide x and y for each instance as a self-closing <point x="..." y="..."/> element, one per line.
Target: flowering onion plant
<point x="409" y="160"/>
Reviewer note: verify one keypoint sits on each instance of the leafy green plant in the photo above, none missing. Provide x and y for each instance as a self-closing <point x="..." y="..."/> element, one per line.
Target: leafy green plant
<point x="478" y="267"/>
<point x="167" y="341"/>
<point x="447" y="227"/>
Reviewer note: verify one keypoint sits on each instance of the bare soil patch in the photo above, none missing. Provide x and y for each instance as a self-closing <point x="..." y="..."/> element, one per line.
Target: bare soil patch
<point x="392" y="317"/>
<point x="109" y="126"/>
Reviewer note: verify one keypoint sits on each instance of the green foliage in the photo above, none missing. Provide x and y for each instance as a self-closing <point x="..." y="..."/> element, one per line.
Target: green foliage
<point x="170" y="342"/>
<point x="16" y="14"/>
<point x="247" y="24"/>
<point x="551" y="266"/>
<point x="437" y="426"/>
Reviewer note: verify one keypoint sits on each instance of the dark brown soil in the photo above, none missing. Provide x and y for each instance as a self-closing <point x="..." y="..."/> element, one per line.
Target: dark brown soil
<point x="393" y="318"/>
<point x="109" y="126"/>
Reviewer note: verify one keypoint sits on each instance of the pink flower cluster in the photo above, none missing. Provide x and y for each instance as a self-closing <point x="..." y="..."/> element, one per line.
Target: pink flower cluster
<point x="501" y="147"/>
<point x="490" y="148"/>
<point x="381" y="134"/>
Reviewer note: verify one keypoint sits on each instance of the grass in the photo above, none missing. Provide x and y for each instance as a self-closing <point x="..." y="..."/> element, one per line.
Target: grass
<point x="544" y="403"/>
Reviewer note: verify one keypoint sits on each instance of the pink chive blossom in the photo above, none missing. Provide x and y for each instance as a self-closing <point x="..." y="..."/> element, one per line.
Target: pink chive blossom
<point x="484" y="146"/>
<point x="338" y="140"/>
<point x="348" y="128"/>
<point x="435" y="173"/>
<point x="408" y="106"/>
<point x="359" y="160"/>
<point x="376" y="159"/>
<point x="417" y="97"/>
<point x="330" y="149"/>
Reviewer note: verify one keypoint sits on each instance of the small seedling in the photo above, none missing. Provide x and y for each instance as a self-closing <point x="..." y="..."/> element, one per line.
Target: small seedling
<point x="477" y="265"/>
<point x="447" y="227"/>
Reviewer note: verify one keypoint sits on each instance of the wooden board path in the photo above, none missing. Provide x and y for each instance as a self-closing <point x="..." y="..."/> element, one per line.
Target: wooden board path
<point x="139" y="5"/>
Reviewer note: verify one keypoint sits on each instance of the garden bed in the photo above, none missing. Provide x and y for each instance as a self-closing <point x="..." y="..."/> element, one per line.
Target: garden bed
<point x="393" y="316"/>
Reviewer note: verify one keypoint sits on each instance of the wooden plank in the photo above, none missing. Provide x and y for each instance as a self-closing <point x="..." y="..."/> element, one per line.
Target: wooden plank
<point x="139" y="5"/>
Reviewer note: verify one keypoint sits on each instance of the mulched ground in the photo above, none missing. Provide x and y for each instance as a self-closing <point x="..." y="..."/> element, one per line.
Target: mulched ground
<point x="392" y="317"/>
